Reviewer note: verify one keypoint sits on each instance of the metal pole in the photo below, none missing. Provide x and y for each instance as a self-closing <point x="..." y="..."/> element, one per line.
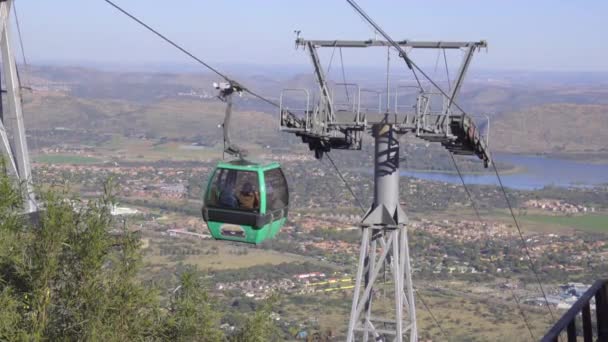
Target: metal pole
<point x="384" y="218"/>
<point x="409" y="285"/>
<point x="18" y="151"/>
<point x="398" y="278"/>
<point x="226" y="125"/>
<point x="386" y="172"/>
<point x="464" y="67"/>
<point x="371" y="262"/>
<point x="353" y="312"/>
<point x="388" y="73"/>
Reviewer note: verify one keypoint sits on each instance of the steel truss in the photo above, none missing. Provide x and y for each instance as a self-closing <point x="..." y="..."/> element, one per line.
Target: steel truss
<point x="13" y="142"/>
<point x="381" y="246"/>
<point x="384" y="242"/>
<point x="326" y="126"/>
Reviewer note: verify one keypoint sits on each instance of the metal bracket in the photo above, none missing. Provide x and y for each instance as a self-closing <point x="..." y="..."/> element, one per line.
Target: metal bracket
<point x="226" y="91"/>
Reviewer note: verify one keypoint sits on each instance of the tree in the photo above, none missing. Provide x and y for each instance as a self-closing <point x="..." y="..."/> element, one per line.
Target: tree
<point x="74" y="276"/>
<point x="259" y="326"/>
<point x="69" y="277"/>
<point x="193" y="317"/>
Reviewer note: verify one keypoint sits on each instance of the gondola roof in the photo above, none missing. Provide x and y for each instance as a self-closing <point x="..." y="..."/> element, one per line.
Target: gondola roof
<point x="248" y="165"/>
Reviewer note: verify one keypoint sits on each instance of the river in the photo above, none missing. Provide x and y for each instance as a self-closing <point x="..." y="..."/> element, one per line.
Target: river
<point x="537" y="172"/>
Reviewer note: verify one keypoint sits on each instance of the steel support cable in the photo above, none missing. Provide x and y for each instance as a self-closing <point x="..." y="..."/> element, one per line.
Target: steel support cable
<point x="346" y="183"/>
<point x="378" y="29"/>
<point x="402" y="52"/>
<point x="528" y="326"/>
<point x="436" y="63"/>
<point x="21" y="45"/>
<point x="523" y="240"/>
<point x="474" y="205"/>
<point x="25" y="63"/>
<point x="521" y="311"/>
<point x="189" y="54"/>
<point x="410" y="63"/>
<point x="163" y="37"/>
<point x="344" y="77"/>
<point x="331" y="59"/>
<point x="26" y="68"/>
<point x="447" y="70"/>
<point x="466" y="189"/>
<point x="431" y="314"/>
<point x="371" y="27"/>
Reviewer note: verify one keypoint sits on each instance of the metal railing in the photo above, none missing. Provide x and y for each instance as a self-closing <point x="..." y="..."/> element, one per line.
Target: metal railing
<point x="355" y="106"/>
<point x="582" y="306"/>
<point x="305" y="111"/>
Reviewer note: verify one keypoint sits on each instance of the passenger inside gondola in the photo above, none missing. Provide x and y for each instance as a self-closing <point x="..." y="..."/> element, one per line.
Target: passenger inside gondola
<point x="227" y="197"/>
<point x="249" y="205"/>
<point x="233" y="189"/>
<point x="248" y="198"/>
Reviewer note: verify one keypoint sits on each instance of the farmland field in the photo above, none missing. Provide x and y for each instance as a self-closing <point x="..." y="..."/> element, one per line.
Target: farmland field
<point x="590" y="222"/>
<point x="65" y="159"/>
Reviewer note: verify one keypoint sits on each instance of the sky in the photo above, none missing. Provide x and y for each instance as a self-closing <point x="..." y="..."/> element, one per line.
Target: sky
<point x="522" y="34"/>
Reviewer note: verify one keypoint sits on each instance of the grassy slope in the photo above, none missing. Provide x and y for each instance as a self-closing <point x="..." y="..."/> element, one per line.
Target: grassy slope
<point x="553" y="128"/>
<point x="170" y="117"/>
<point x="65" y="159"/>
<point x="590" y="222"/>
<point x="463" y="317"/>
<point x="229" y="255"/>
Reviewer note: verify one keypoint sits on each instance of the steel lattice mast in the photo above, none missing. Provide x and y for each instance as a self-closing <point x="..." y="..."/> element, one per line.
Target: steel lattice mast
<point x="13" y="142"/>
<point x="384" y="241"/>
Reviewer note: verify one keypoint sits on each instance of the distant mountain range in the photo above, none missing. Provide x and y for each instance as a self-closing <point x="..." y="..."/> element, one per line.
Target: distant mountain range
<point x="530" y="111"/>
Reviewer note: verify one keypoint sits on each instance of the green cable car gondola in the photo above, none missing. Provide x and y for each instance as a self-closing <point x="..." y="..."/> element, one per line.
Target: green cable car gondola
<point x="244" y="201"/>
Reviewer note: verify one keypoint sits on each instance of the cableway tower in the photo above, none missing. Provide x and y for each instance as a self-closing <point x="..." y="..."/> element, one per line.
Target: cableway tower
<point x="324" y="126"/>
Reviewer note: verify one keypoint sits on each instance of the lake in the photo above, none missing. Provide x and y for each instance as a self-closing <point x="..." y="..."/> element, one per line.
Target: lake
<point x="538" y="172"/>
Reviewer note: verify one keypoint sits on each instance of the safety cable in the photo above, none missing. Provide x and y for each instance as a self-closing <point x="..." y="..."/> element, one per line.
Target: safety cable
<point x="163" y="37"/>
<point x="410" y="63"/>
<point x="344" y="77"/>
<point x="447" y="70"/>
<point x="436" y="63"/>
<point x="378" y="29"/>
<point x="488" y="238"/>
<point x="331" y="59"/>
<point x="431" y="313"/>
<point x="21" y="45"/>
<point x="25" y="82"/>
<point x="466" y="189"/>
<point x="521" y="311"/>
<point x="189" y="54"/>
<point x="25" y="63"/>
<point x="346" y="183"/>
<point x="523" y="240"/>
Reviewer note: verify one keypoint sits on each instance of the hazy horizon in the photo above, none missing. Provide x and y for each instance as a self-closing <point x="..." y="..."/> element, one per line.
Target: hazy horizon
<point x="283" y="72"/>
<point x="540" y="36"/>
